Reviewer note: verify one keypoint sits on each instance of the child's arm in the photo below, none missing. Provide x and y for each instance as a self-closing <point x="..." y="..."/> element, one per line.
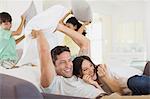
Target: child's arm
<point x="62" y="20"/>
<point x="82" y="28"/>
<point x="19" y="30"/>
<point x="79" y="39"/>
<point x="20" y="39"/>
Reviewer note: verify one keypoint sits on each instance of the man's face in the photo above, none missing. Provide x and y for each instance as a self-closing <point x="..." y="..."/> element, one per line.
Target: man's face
<point x="6" y="25"/>
<point x="64" y="65"/>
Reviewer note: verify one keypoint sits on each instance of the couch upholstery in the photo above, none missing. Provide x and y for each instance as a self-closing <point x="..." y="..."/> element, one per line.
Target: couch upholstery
<point x="147" y="69"/>
<point x="15" y="88"/>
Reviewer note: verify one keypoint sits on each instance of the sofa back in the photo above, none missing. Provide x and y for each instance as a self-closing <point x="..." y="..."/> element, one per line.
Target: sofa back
<point x="15" y="88"/>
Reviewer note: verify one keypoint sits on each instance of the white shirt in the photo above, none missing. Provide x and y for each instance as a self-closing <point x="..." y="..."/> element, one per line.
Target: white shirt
<point x="72" y="87"/>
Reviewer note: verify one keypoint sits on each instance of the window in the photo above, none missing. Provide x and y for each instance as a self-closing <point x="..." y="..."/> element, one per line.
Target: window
<point x="94" y="33"/>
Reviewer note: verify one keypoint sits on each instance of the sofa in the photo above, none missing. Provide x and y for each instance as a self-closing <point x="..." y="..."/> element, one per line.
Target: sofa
<point x="15" y="88"/>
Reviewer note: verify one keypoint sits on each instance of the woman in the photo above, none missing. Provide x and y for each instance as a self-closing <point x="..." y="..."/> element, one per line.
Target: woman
<point x="75" y="25"/>
<point x="98" y="75"/>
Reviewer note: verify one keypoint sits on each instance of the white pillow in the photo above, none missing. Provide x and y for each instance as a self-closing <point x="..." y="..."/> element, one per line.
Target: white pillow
<point x="81" y="10"/>
<point x="30" y="12"/>
<point x="46" y="21"/>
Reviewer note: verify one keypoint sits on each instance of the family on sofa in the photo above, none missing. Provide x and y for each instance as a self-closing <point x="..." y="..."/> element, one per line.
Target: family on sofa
<point x="60" y="74"/>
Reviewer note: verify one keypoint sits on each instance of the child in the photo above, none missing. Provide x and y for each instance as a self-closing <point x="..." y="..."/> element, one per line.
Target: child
<point x="8" y="54"/>
<point x="75" y="25"/>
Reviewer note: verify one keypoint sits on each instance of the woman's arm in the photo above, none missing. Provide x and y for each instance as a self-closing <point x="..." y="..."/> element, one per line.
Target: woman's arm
<point x="112" y="83"/>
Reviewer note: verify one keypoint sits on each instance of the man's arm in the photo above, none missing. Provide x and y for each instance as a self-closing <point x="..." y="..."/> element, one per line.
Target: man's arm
<point x="78" y="38"/>
<point x="47" y="67"/>
<point x="19" y="30"/>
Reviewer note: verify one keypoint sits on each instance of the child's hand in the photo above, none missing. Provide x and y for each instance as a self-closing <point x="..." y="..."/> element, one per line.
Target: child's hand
<point x="86" y="23"/>
<point x="23" y="19"/>
<point x="70" y="12"/>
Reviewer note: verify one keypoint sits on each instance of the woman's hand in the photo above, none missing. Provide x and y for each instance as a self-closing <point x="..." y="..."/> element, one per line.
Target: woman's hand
<point x="102" y="71"/>
<point x="89" y="80"/>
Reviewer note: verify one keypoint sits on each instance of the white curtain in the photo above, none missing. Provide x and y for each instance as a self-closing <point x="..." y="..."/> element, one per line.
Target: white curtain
<point x="95" y="36"/>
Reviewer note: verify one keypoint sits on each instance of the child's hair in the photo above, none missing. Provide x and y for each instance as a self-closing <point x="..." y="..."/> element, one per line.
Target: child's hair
<point x="5" y="17"/>
<point x="75" y="22"/>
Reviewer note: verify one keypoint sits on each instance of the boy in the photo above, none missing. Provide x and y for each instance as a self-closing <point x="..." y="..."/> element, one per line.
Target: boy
<point x="8" y="54"/>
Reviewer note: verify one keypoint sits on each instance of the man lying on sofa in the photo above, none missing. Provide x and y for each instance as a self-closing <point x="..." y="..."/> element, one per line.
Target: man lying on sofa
<point x="57" y="70"/>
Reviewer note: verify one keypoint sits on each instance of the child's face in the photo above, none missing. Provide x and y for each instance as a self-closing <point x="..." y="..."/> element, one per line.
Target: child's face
<point x="69" y="25"/>
<point x="6" y="25"/>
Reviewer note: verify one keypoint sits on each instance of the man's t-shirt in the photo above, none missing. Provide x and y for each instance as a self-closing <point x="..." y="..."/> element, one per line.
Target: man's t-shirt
<point x="72" y="87"/>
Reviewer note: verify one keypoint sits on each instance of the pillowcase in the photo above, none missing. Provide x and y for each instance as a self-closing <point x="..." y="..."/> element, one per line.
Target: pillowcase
<point x="81" y="10"/>
<point x="30" y="13"/>
<point x="46" y="21"/>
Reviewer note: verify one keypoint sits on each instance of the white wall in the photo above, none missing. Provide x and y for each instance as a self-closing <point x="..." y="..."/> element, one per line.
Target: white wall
<point x="147" y="29"/>
<point x="126" y="13"/>
<point x="111" y="12"/>
<point x="17" y="7"/>
<point x="123" y="22"/>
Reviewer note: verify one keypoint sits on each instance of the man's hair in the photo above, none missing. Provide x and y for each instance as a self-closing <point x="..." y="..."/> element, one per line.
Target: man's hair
<point x="57" y="51"/>
<point x="5" y="17"/>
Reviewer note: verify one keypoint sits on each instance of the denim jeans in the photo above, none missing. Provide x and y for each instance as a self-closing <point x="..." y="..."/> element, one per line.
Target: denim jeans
<point x="139" y="85"/>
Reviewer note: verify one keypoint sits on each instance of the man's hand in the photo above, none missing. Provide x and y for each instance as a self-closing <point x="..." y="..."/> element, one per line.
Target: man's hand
<point x="35" y="33"/>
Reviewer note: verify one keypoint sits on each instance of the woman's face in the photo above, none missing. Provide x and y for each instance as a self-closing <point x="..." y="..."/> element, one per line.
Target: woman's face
<point x="88" y="69"/>
<point x="69" y="25"/>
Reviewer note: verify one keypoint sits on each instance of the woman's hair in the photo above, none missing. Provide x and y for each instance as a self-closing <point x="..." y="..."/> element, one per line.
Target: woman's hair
<point x="75" y="22"/>
<point x="77" y="65"/>
<point x="5" y="17"/>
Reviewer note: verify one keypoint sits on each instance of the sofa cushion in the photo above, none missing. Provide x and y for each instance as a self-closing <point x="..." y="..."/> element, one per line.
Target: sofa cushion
<point x="15" y="88"/>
